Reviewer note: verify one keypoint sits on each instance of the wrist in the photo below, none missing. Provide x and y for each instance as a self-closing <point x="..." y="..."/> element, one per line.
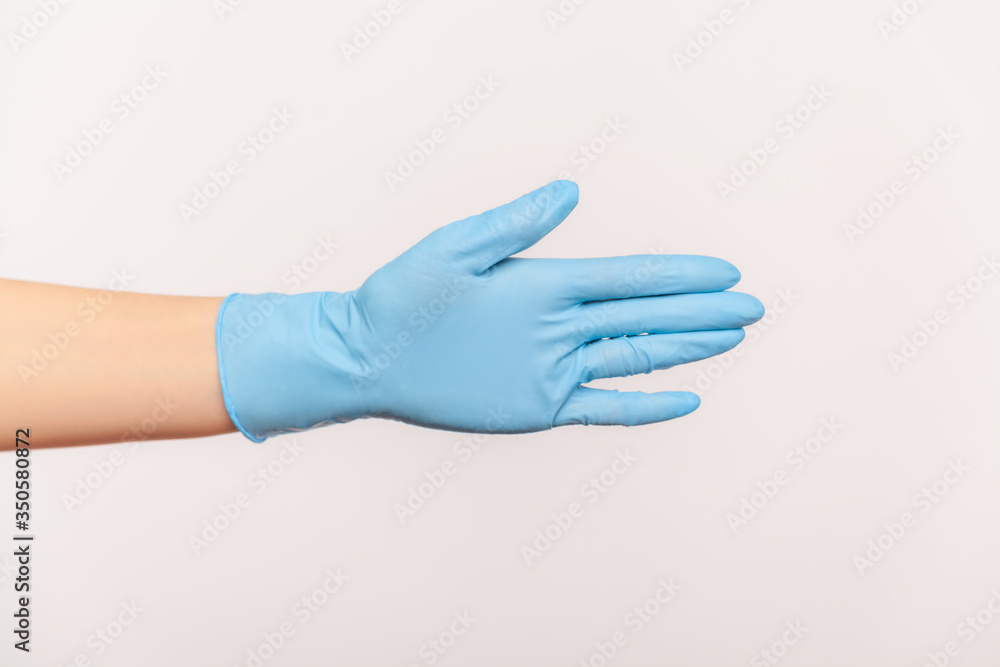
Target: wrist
<point x="285" y="363"/>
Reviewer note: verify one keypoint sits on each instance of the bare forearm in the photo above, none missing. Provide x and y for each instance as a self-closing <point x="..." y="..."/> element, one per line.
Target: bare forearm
<point x="81" y="366"/>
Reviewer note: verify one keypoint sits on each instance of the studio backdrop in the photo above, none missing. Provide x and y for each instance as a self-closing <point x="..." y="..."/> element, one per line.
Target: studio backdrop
<point x="834" y="501"/>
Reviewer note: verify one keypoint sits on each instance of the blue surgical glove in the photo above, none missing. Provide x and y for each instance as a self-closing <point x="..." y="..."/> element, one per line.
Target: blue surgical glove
<point x="456" y="334"/>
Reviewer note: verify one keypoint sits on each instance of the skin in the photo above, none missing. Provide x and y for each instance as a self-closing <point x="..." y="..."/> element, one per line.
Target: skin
<point x="95" y="389"/>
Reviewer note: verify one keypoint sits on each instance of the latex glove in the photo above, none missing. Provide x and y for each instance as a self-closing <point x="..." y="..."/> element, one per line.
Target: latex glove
<point x="454" y="334"/>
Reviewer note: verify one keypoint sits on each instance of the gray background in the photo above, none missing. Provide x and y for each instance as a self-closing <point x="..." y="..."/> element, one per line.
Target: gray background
<point x="653" y="189"/>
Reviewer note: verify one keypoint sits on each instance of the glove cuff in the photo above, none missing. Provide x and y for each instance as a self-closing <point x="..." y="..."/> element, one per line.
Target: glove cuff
<point x="223" y="376"/>
<point x="284" y="362"/>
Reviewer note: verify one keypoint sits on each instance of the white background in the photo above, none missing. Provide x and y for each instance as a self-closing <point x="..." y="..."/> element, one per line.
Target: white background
<point x="653" y="189"/>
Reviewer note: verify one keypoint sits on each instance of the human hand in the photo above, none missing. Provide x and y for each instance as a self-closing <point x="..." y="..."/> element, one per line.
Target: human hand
<point x="456" y="334"/>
